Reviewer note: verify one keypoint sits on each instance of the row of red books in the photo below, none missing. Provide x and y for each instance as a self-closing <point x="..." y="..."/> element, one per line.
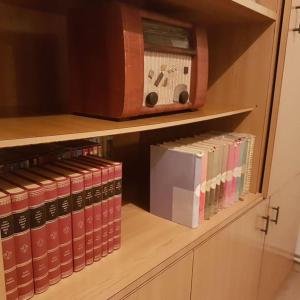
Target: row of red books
<point x="35" y="155"/>
<point x="56" y="219"/>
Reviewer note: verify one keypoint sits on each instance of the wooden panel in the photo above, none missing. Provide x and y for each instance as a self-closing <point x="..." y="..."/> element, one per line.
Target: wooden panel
<point x="244" y="75"/>
<point x="211" y="11"/>
<point x="285" y="124"/>
<point x="281" y="241"/>
<point x="149" y="245"/>
<point x="174" y="283"/>
<point x="227" y="266"/>
<point x="281" y="180"/>
<point x="32" y="62"/>
<point x="35" y="130"/>
<point x="271" y="4"/>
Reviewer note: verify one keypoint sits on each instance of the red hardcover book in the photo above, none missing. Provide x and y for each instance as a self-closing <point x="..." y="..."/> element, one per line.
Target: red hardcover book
<point x="22" y="238"/>
<point x="105" y="197"/>
<point x="37" y="207"/>
<point x="97" y="204"/>
<point x="8" y="247"/>
<point x="115" y="190"/>
<point x="78" y="223"/>
<point x="64" y="204"/>
<point x="51" y="222"/>
<point x="110" y="203"/>
<point x="117" y="202"/>
<point x="88" y="208"/>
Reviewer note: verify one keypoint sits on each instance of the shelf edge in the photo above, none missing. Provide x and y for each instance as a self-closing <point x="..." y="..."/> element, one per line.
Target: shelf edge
<point x="90" y="134"/>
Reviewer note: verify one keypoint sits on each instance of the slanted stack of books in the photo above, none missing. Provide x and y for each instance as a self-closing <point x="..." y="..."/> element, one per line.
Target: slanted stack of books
<point x="193" y="178"/>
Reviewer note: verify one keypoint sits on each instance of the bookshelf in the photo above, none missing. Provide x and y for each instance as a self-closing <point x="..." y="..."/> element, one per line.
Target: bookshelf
<point x="140" y="258"/>
<point x="46" y="129"/>
<point x="239" y="98"/>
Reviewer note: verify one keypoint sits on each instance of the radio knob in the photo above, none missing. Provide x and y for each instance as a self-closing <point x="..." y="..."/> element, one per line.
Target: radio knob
<point x="152" y="99"/>
<point x="183" y="97"/>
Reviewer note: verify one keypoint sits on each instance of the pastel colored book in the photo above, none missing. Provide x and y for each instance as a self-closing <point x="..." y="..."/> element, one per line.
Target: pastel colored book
<point x="175" y="184"/>
<point x="210" y="189"/>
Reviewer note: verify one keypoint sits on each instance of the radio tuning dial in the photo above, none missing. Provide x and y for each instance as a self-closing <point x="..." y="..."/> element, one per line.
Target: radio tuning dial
<point x="151" y="99"/>
<point x="183" y="97"/>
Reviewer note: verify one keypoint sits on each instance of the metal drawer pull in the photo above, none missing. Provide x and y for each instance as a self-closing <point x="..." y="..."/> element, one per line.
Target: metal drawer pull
<point x="277" y="215"/>
<point x="297" y="29"/>
<point x="266" y="230"/>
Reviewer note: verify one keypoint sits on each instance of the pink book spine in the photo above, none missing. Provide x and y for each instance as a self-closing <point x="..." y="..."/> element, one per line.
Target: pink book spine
<point x="65" y="226"/>
<point x="97" y="209"/>
<point x="224" y="180"/>
<point x="235" y="171"/>
<point x="51" y="199"/>
<point x="117" y="207"/>
<point x="203" y="188"/>
<point x="8" y="248"/>
<point x="89" y="219"/>
<point x="78" y="222"/>
<point x="228" y="184"/>
<point x="22" y="239"/>
<point x="36" y="202"/>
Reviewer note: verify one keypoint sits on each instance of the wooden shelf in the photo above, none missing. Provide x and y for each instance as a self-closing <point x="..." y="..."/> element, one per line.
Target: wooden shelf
<point x="255" y="7"/>
<point x="213" y="12"/>
<point x="45" y="129"/>
<point x="149" y="244"/>
<point x="207" y="11"/>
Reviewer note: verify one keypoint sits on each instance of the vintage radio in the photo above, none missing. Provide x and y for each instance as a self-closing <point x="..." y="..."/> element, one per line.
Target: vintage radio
<point x="127" y="62"/>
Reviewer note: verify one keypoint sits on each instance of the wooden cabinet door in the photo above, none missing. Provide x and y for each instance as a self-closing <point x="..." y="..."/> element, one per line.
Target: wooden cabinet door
<point x="227" y="266"/>
<point x="174" y="283"/>
<point x="278" y="258"/>
<point x="284" y="190"/>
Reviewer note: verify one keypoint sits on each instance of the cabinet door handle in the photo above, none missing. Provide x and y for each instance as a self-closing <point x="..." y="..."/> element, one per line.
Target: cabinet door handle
<point x="277" y="209"/>
<point x="296" y="29"/>
<point x="266" y="230"/>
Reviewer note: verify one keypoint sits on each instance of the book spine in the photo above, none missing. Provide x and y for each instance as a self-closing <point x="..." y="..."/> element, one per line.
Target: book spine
<point x="105" y="197"/>
<point x="36" y="202"/>
<point x="228" y="185"/>
<point x="97" y="209"/>
<point x="249" y="163"/>
<point x="117" y="207"/>
<point x="21" y="216"/>
<point x="89" y="219"/>
<point x="52" y="233"/>
<point x="8" y="248"/>
<point x="65" y="227"/>
<point x="235" y="173"/>
<point x="111" y="204"/>
<point x="224" y="175"/>
<point x="78" y="222"/>
<point x="203" y="188"/>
